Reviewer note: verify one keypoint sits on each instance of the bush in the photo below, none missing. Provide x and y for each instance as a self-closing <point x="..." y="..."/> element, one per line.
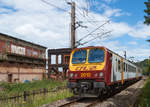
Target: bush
<point x="145" y="97"/>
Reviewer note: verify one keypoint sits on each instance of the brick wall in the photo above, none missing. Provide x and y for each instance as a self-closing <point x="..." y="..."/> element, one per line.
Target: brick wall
<point x="15" y="74"/>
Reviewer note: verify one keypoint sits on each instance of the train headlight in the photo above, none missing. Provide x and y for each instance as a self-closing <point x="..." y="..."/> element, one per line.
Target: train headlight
<point x="71" y="75"/>
<point x="101" y="74"/>
<point x="75" y="75"/>
<point x="95" y="75"/>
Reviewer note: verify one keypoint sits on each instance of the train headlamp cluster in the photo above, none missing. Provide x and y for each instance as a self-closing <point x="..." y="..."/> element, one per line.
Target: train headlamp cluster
<point x="99" y="74"/>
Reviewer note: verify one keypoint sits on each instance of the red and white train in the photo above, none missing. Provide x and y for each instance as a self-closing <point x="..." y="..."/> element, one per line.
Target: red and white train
<point x="93" y="70"/>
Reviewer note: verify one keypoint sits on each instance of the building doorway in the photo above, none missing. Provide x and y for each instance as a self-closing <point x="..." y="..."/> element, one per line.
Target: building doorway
<point x="9" y="77"/>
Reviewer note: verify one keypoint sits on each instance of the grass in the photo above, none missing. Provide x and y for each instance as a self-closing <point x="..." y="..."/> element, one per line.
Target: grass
<point x="18" y="88"/>
<point x="33" y="101"/>
<point x="145" y="97"/>
<point x="39" y="100"/>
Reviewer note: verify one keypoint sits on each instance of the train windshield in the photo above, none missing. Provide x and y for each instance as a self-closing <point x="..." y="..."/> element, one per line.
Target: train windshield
<point x="96" y="55"/>
<point x="79" y="56"/>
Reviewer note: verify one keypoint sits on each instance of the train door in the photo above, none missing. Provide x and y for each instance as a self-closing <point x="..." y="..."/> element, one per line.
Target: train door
<point x="119" y="69"/>
<point x="137" y="74"/>
<point x="113" y="69"/>
<point x="125" y="70"/>
<point x="122" y="71"/>
<point x="116" y="68"/>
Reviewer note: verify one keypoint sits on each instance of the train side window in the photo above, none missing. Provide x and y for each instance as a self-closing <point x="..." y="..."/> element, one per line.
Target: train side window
<point x="116" y="65"/>
<point x="119" y="65"/>
<point x="134" y="69"/>
<point x="124" y="67"/>
<point x="111" y="58"/>
<point x="128" y="68"/>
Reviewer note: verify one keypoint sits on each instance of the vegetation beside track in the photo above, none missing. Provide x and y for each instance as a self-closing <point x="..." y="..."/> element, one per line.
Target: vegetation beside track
<point x="8" y="89"/>
<point x="145" y="97"/>
<point x="145" y="65"/>
<point x="39" y="100"/>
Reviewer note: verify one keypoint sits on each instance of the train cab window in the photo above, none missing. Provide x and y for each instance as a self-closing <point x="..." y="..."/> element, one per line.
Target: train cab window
<point x="96" y="55"/>
<point x="79" y="56"/>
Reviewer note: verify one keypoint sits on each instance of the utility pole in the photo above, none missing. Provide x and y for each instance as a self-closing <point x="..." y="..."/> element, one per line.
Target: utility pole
<point x="73" y="25"/>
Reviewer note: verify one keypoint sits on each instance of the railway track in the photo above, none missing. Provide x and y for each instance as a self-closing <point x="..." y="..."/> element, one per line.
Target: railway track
<point x="71" y="103"/>
<point x="91" y="102"/>
<point x="88" y="102"/>
<point x="122" y="98"/>
<point x="83" y="102"/>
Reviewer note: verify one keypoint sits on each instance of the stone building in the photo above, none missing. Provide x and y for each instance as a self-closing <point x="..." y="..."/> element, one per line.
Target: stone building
<point x="21" y="60"/>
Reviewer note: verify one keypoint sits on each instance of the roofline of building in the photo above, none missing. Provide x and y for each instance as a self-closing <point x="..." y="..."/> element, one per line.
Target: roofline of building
<point x="22" y="40"/>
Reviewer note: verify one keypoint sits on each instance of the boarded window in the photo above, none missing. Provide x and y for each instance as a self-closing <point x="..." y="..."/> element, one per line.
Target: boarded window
<point x="29" y="52"/>
<point x="2" y="46"/>
<point x="42" y="54"/>
<point x="35" y="53"/>
<point x="17" y="50"/>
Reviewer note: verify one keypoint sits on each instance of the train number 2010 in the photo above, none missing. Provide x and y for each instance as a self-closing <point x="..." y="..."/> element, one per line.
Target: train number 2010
<point x="83" y="75"/>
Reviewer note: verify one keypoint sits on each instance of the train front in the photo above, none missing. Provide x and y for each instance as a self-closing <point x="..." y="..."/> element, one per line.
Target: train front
<point x="86" y="71"/>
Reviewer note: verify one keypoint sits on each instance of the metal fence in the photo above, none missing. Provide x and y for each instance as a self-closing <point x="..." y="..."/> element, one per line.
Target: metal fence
<point x="27" y="97"/>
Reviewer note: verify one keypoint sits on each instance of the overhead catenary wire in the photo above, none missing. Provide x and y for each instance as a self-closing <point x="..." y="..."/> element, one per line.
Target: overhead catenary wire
<point x="94" y="38"/>
<point x="92" y="34"/>
<point x="94" y="21"/>
<point x="91" y="21"/>
<point x="85" y="16"/>
<point x="88" y="19"/>
<point x="92" y="31"/>
<point x="48" y="3"/>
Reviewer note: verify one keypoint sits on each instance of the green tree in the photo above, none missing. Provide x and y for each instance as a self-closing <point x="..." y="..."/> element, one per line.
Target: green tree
<point x="147" y="11"/>
<point x="148" y="66"/>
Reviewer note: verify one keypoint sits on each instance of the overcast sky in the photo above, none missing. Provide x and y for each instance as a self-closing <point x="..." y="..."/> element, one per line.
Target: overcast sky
<point x="38" y="22"/>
